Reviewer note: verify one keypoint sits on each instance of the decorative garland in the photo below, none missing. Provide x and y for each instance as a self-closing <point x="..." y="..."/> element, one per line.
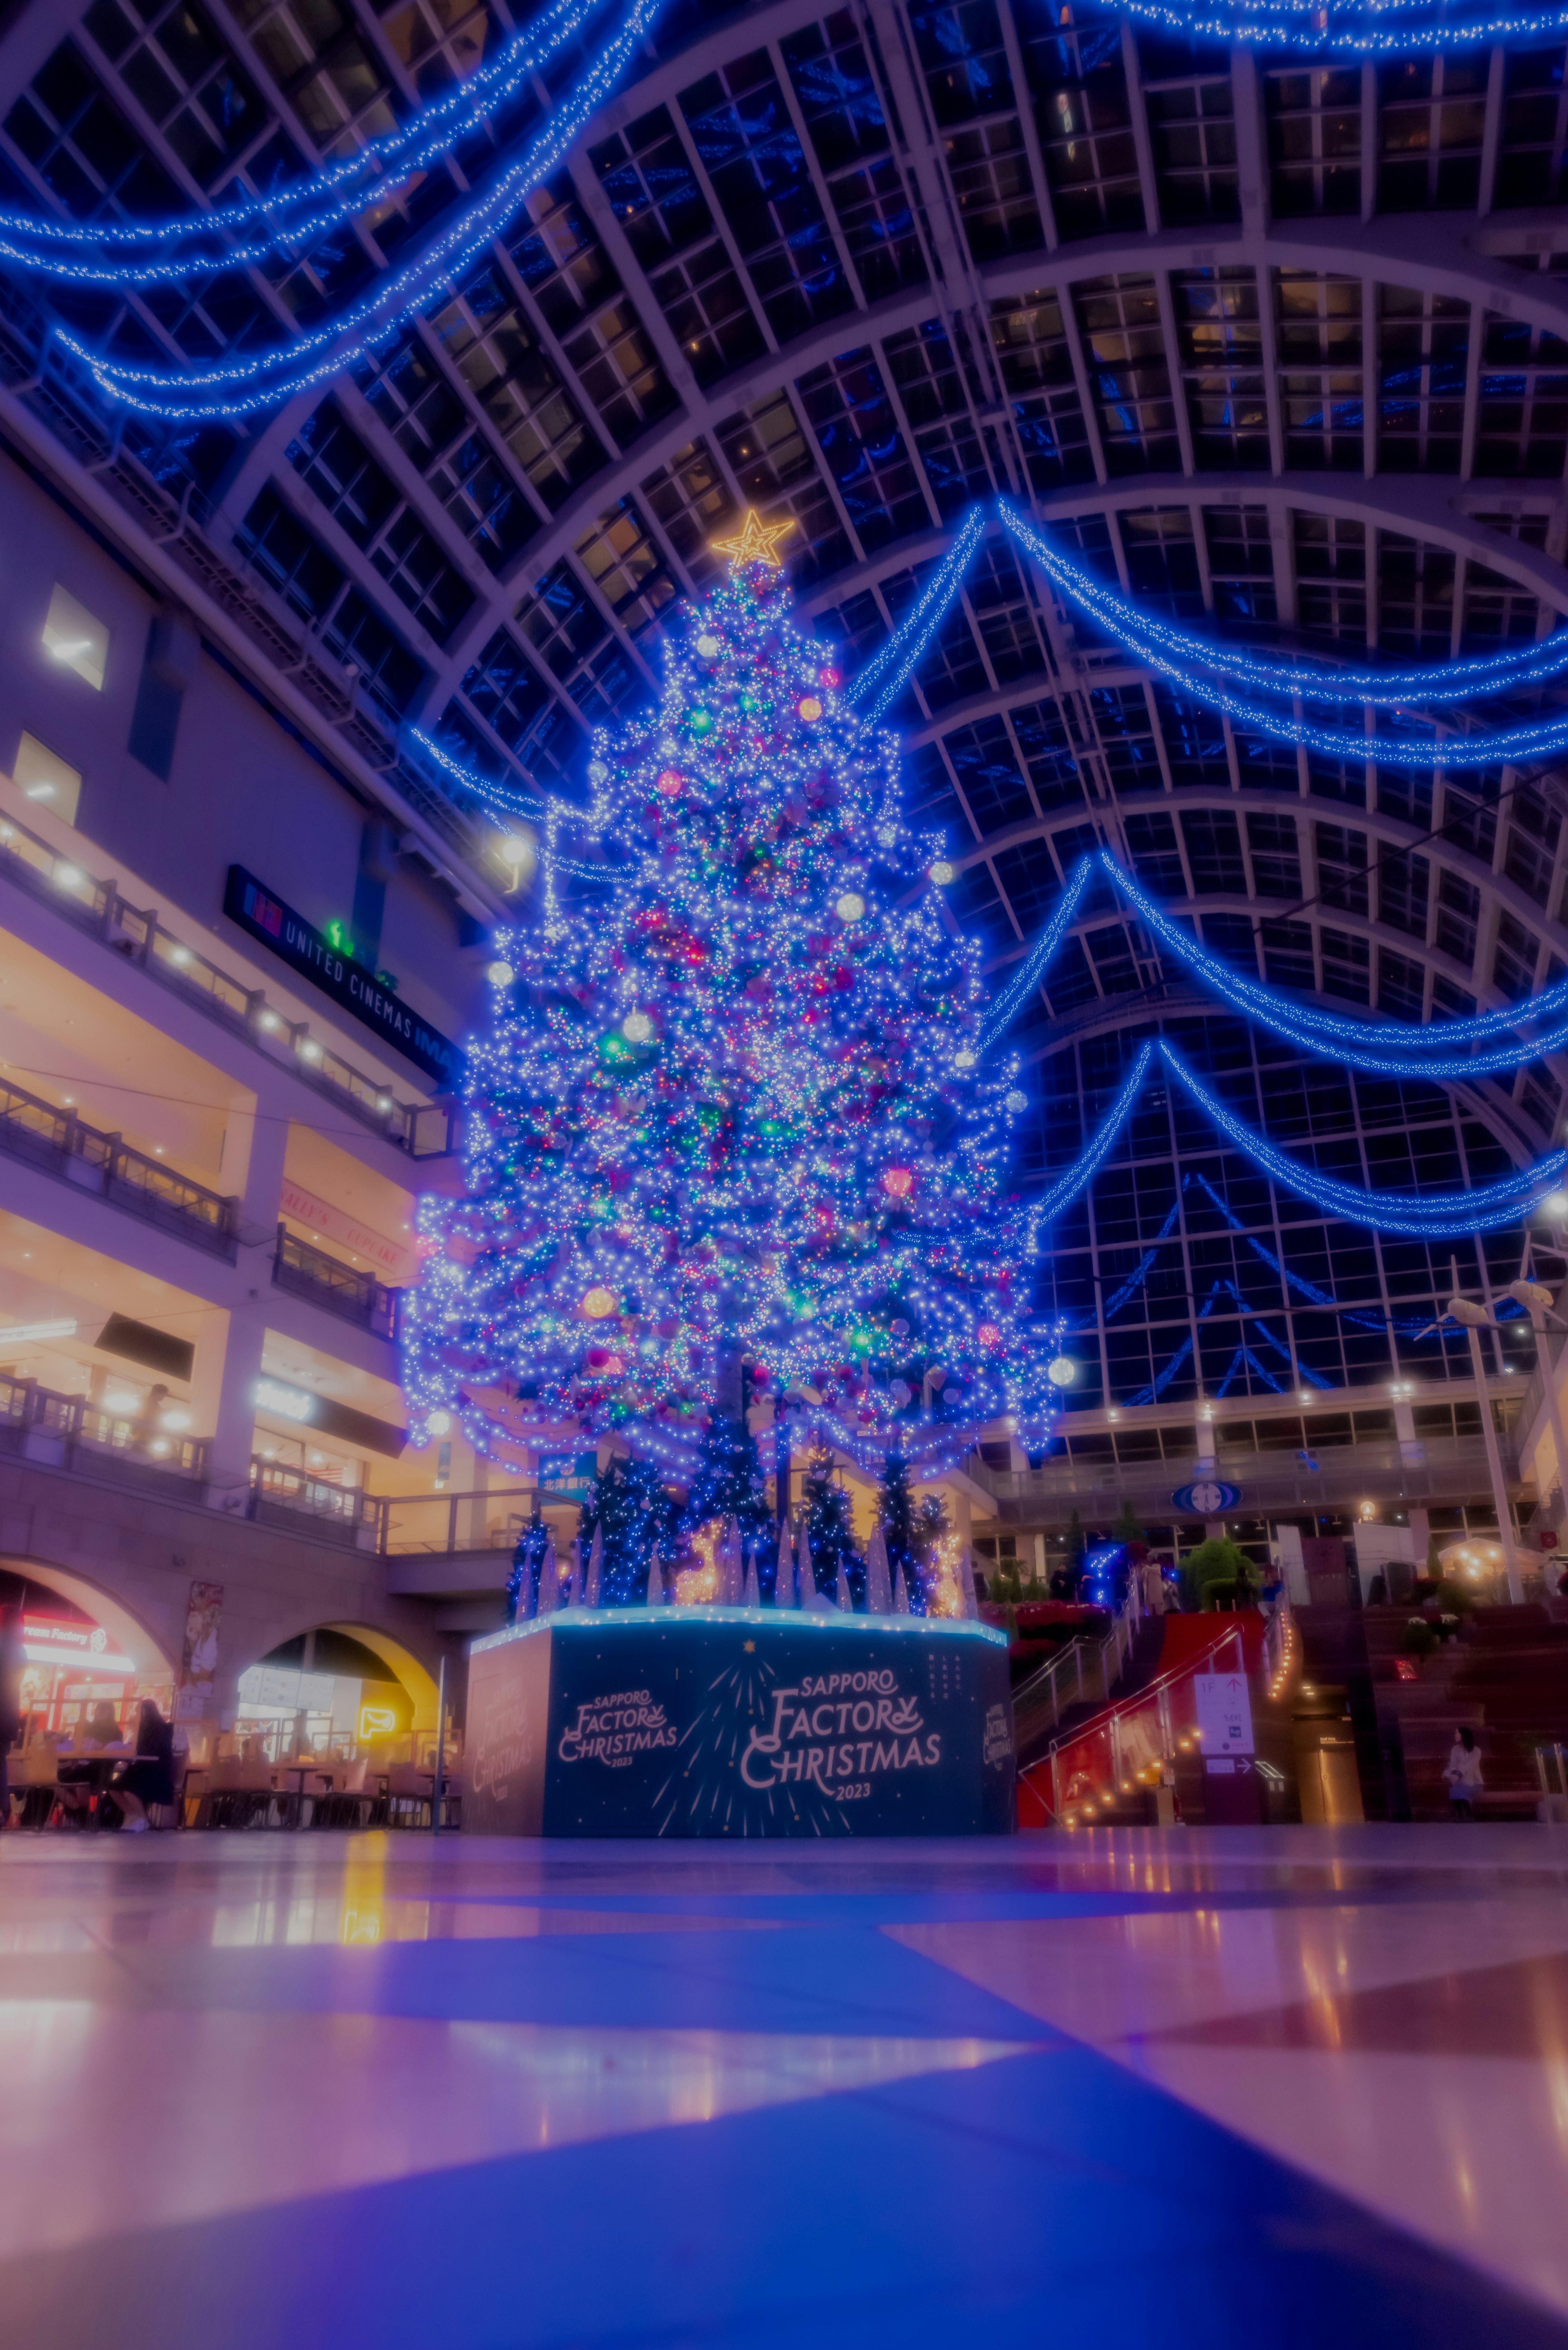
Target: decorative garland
<point x="1340" y="32"/>
<point x="891" y="670"/>
<point x="115" y="252"/>
<point x="246" y="383"/>
<point x="1536" y="739"/>
<point x="1413" y="1215"/>
<point x="1379" y="1047"/>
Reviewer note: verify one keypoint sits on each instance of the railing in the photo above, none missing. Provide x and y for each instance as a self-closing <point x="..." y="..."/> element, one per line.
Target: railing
<point x="338" y="1513"/>
<point x="443" y="1526"/>
<point x="70" y="1433"/>
<point x="1155" y="1696"/>
<point x="63" y="1145"/>
<point x="1440" y="1469"/>
<point x="1072" y="1675"/>
<point x="423" y="1130"/>
<point x="305" y="1271"/>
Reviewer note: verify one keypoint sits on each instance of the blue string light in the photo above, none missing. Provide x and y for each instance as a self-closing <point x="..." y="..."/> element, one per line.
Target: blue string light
<point x="248" y="382"/>
<point x="891" y="670"/>
<point x="1010" y="1001"/>
<point x="1374" y="689"/>
<point x="1303" y="25"/>
<point x="1409" y="1326"/>
<point x="1411" y="1215"/>
<point x="1066" y="1188"/>
<point x="1538" y="740"/>
<point x="1382" y="1047"/>
<point x="114" y="252"/>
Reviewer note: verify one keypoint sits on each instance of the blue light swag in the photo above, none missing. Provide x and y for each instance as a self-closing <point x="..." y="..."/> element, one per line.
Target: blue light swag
<point x="886" y="675"/>
<point x="1394" y="28"/>
<point x="1379" y="1047"/>
<point x="157" y="252"/>
<point x="1411" y="1215"/>
<point x="246" y="383"/>
<point x="1534" y="740"/>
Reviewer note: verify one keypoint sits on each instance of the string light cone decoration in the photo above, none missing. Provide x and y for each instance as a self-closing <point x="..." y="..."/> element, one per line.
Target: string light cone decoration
<point x="731" y="1110"/>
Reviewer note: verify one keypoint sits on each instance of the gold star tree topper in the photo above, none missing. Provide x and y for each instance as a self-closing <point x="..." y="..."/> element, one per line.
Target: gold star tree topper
<point x="755" y="542"/>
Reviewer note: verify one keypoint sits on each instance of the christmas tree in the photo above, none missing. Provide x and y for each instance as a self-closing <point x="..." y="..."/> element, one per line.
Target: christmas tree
<point x="735" y="1106"/>
<point x="629" y="1510"/>
<point x="728" y="1483"/>
<point x="896" y="1515"/>
<point x="527" y="1558"/>
<point x="830" y="1533"/>
<point x="935" y="1588"/>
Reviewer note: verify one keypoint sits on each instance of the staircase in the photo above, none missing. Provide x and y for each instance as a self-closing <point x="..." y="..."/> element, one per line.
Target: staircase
<point x="1078" y="1680"/>
<point x="1035" y="1732"/>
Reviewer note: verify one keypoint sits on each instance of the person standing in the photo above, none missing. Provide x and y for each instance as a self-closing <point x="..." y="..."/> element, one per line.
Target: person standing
<point x="10" y="1698"/>
<point x="1463" y="1774"/>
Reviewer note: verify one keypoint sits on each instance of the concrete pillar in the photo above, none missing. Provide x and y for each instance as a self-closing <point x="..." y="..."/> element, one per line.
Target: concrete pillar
<point x="229" y="1348"/>
<point x="254" y="1147"/>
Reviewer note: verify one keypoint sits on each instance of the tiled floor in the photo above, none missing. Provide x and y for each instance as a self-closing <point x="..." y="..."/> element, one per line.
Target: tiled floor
<point x="267" y="2092"/>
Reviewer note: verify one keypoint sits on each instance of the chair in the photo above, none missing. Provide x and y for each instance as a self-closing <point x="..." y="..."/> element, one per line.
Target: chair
<point x="408" y="1793"/>
<point x="241" y="1792"/>
<point x="31" y="1777"/>
<point x="350" y="1803"/>
<point x="195" y="1799"/>
<point x="314" y="1789"/>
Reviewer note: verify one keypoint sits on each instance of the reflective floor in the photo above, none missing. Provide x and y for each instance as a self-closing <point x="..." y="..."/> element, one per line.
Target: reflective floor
<point x="265" y="2091"/>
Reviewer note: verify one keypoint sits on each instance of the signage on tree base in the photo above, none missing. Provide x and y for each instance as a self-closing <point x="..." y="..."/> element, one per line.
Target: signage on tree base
<point x="738" y="1721"/>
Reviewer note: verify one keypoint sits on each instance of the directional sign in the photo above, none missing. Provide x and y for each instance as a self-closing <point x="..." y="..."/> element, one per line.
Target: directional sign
<point x="1224" y="1713"/>
<point x="1207" y="1499"/>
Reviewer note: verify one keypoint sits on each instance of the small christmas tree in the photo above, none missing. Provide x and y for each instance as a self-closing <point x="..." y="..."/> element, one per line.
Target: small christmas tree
<point x="527" y="1558"/>
<point x="896" y="1515"/>
<point x="935" y="1561"/>
<point x="1075" y="1551"/>
<point x="728" y="1483"/>
<point x="630" y="1509"/>
<point x="830" y="1532"/>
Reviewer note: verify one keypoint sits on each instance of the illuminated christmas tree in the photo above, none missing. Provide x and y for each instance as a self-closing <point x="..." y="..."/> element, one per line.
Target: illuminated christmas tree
<point x="629" y="1510"/>
<point x="733" y="1119"/>
<point x="830" y="1532"/>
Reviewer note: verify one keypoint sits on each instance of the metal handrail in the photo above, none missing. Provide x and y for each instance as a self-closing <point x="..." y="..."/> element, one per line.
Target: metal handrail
<point x="70" y="1432"/>
<point x="1155" y="1690"/>
<point x="1119" y="1640"/>
<point x="305" y="1271"/>
<point x="64" y="1144"/>
<point x="1416" y="1471"/>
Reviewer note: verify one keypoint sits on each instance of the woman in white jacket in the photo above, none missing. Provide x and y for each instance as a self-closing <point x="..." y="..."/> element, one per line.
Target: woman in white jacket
<point x="1463" y="1774"/>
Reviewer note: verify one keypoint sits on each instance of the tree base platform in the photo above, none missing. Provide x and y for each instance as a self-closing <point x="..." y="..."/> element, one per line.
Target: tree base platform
<point x="739" y="1722"/>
